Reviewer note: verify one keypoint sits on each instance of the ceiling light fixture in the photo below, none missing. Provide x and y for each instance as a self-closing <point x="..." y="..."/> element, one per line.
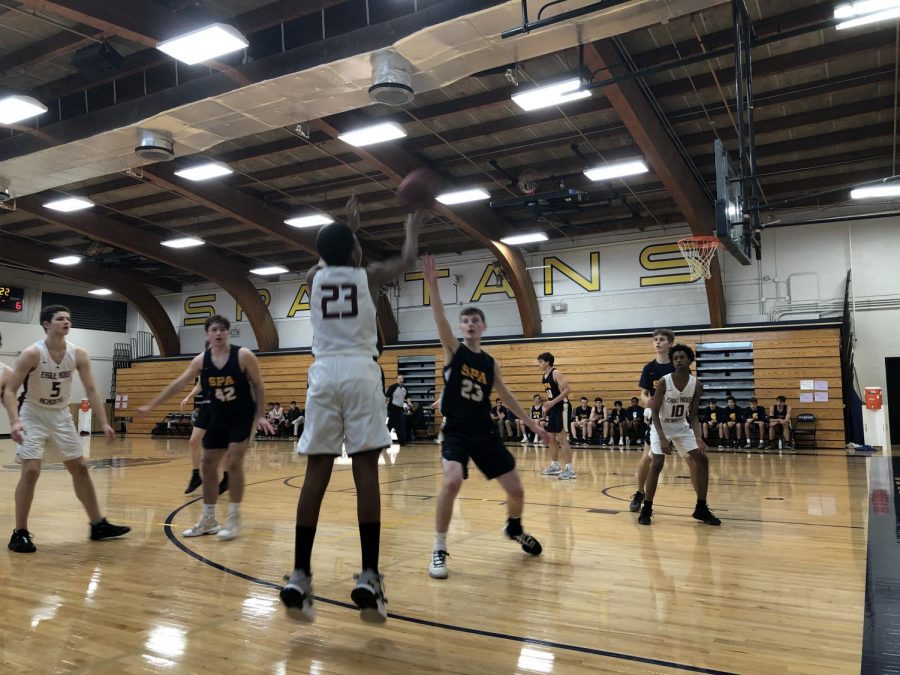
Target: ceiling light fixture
<point x="66" y="260"/>
<point x="609" y="171"/>
<point x="553" y="94"/>
<point x="310" y="221"/>
<point x="272" y="269"/>
<point x="866" y="12"/>
<point x="463" y="196"/>
<point x="377" y="133"/>
<point x="100" y="291"/>
<point x="69" y="204"/>
<point x="183" y="242"/>
<point x="204" y="44"/>
<point x="204" y="171"/>
<point x="15" y="108"/>
<point x="875" y="191"/>
<point x="529" y="238"/>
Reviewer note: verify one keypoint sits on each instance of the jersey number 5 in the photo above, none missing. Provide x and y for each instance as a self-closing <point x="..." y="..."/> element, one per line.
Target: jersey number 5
<point x="225" y="394"/>
<point x="55" y="389"/>
<point x="331" y="293"/>
<point x="471" y="392"/>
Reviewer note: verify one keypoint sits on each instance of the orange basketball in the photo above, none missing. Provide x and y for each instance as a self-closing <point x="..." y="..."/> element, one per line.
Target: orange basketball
<point x="419" y="188"/>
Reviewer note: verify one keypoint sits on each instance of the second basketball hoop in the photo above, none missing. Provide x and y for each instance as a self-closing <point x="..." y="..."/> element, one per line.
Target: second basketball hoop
<point x="699" y="252"/>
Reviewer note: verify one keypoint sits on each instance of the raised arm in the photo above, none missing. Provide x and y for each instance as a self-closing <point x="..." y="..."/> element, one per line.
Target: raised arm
<point x="176" y="385"/>
<point x="385" y="271"/>
<point x="250" y="366"/>
<point x="27" y="361"/>
<point x="448" y="340"/>
<point x="514" y="405"/>
<point x="83" y="365"/>
<point x="353" y="212"/>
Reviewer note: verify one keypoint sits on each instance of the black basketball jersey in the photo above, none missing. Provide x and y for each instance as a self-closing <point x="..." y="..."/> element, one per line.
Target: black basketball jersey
<point x="227" y="388"/>
<point x="537" y="412"/>
<point x="652" y="373"/>
<point x="779" y="414"/>
<point x="551" y="386"/>
<point x="466" y="401"/>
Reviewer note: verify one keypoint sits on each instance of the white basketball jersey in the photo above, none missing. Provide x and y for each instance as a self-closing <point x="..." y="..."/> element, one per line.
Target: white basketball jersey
<point x="343" y="314"/>
<point x="49" y="384"/>
<point x="676" y="404"/>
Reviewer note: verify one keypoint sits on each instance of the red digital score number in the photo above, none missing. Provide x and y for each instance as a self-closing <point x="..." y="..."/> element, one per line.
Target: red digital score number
<point x="18" y="305"/>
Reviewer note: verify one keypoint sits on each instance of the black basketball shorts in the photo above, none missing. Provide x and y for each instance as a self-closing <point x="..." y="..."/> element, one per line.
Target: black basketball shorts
<point x="204" y="413"/>
<point x="229" y="429"/>
<point x="555" y="421"/>
<point x="484" y="448"/>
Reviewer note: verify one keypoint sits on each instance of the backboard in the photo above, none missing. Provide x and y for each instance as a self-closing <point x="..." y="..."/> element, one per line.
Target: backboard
<point x="733" y="225"/>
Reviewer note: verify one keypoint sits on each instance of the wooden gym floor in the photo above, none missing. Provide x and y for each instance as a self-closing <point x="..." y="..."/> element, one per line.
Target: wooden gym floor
<point x="779" y="587"/>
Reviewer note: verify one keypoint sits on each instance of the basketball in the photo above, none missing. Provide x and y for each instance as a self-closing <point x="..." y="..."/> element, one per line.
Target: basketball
<point x="419" y="188"/>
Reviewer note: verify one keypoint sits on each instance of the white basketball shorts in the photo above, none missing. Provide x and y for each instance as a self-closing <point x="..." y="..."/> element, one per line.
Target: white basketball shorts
<point x="682" y="439"/>
<point x="344" y="405"/>
<point x="51" y="429"/>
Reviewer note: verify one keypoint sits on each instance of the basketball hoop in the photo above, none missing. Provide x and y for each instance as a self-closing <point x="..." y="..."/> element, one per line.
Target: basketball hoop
<point x="528" y="181"/>
<point x="698" y="252"/>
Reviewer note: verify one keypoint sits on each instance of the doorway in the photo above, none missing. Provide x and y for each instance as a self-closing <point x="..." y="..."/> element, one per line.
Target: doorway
<point x="892" y="382"/>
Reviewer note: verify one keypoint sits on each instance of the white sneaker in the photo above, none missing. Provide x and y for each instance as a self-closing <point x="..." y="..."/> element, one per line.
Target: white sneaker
<point x="567" y="474"/>
<point x="206" y="525"/>
<point x="297" y="596"/>
<point x="552" y="470"/>
<point x="231" y="528"/>
<point x="438" y="568"/>
<point x="369" y="596"/>
<point x="524" y="439"/>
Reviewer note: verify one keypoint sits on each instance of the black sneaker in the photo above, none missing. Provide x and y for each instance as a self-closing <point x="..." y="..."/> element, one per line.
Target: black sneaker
<point x="194" y="483"/>
<point x="529" y="544"/>
<point x="636" y="502"/>
<point x="106" y="530"/>
<point x="21" y="542"/>
<point x="704" y="514"/>
<point x="646" y="513"/>
<point x="223" y="484"/>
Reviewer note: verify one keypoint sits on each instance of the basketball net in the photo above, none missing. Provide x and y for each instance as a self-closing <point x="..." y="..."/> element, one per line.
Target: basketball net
<point x="698" y="253"/>
<point x="528" y="181"/>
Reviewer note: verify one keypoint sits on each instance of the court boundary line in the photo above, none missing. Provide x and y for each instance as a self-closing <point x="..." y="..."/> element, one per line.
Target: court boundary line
<point x="170" y="535"/>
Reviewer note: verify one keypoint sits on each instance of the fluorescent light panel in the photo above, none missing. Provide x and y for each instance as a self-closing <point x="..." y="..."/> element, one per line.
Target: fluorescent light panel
<point x="183" y="242"/>
<point x="377" y="133"/>
<point x="309" y="221"/>
<point x="100" y="291"/>
<point x="554" y="94"/>
<point x="463" y="196"/>
<point x="529" y="238"/>
<point x="273" y="269"/>
<point x="69" y="204"/>
<point x="66" y="260"/>
<point x="875" y="191"/>
<point x="15" y="108"/>
<point x="619" y="170"/>
<point x="204" y="44"/>
<point x="866" y="12"/>
<point x="205" y="171"/>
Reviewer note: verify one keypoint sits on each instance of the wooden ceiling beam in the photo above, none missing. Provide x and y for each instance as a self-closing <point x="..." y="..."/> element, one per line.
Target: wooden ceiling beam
<point x="635" y="111"/>
<point x="124" y="284"/>
<point x="229" y="275"/>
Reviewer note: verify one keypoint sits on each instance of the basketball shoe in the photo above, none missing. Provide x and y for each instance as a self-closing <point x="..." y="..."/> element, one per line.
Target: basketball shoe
<point x="529" y="544"/>
<point x="206" y="525"/>
<point x="369" y="596"/>
<point x="438" y="568"/>
<point x="297" y="596"/>
<point x="232" y="526"/>
<point x="22" y="542"/>
<point x="106" y="530"/>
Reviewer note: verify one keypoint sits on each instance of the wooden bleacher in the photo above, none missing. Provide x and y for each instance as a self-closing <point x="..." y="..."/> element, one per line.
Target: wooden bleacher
<point x="604" y="366"/>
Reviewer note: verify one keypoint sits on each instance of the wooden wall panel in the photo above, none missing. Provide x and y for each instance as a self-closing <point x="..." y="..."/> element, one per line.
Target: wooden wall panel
<point x="607" y="367"/>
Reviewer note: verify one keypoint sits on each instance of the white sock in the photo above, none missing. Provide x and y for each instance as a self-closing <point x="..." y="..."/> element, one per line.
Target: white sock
<point x="209" y="510"/>
<point x="234" y="509"/>
<point x="440" y="541"/>
<point x="554" y="463"/>
<point x="570" y="467"/>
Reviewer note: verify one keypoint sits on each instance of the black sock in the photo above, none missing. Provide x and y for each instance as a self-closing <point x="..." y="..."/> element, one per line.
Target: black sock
<point x="648" y="503"/>
<point x="370" y="543"/>
<point x="303" y="544"/>
<point x="701" y="503"/>
<point x="195" y="472"/>
<point x="641" y="494"/>
<point x="514" y="526"/>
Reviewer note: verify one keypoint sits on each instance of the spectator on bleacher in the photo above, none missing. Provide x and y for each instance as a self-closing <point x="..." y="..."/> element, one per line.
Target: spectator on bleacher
<point x="711" y="417"/>
<point x="581" y="433"/>
<point x="732" y="421"/>
<point x="598" y="422"/>
<point x="395" y="396"/>
<point x="617" y="418"/>
<point x="276" y="418"/>
<point x="500" y="415"/>
<point x="755" y="415"/>
<point x="635" y="420"/>
<point x="780" y="416"/>
<point x="295" y="420"/>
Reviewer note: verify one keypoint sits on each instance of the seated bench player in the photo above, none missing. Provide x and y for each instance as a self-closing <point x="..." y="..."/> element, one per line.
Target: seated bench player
<point x="754" y="415"/>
